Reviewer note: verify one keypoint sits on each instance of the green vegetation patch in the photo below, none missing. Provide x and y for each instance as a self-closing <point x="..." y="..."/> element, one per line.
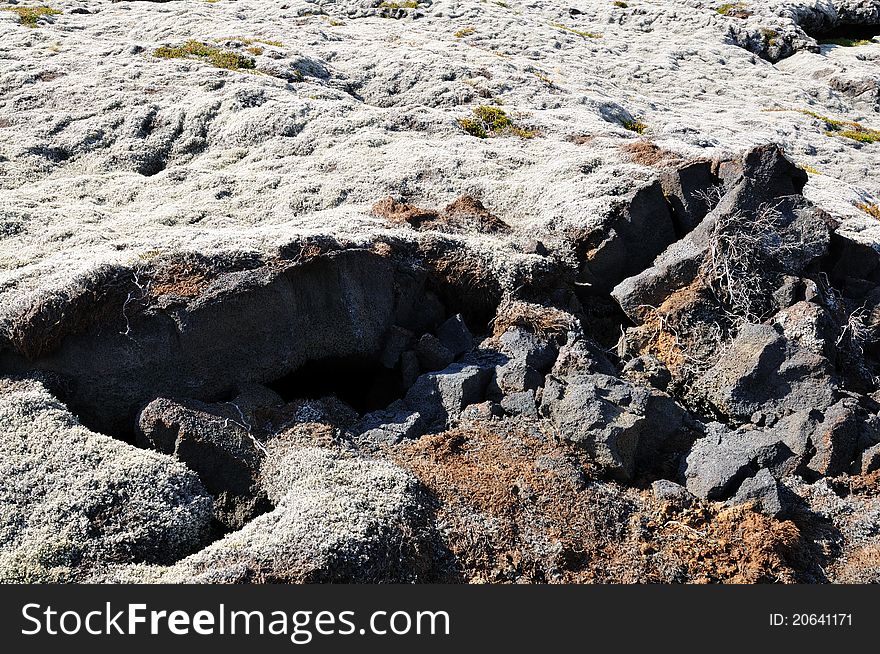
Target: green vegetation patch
<point x="409" y="4"/>
<point x="246" y="40"/>
<point x="586" y="35"/>
<point x="872" y="210"/>
<point x="29" y="16"/>
<point x="620" y="4"/>
<point x="734" y="10"/>
<point x="636" y="126"/>
<point x="492" y="121"/>
<point x="861" y="135"/>
<point x="845" y="42"/>
<point x="847" y="129"/>
<point x="217" y="57"/>
<point x="464" y="31"/>
<point x="771" y="37"/>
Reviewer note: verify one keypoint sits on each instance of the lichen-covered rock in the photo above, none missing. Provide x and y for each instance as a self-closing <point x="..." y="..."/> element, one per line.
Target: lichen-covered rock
<point x="649" y="215"/>
<point x="73" y="501"/>
<point x="338" y="518"/>
<point x="175" y="154"/>
<point x="808" y="325"/>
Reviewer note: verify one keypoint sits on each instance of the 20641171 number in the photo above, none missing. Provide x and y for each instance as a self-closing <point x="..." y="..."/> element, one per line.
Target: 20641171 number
<point x="811" y="620"/>
<point x="823" y="619"/>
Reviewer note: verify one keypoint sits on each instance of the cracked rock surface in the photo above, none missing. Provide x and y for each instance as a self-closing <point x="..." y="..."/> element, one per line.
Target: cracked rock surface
<point x="347" y="291"/>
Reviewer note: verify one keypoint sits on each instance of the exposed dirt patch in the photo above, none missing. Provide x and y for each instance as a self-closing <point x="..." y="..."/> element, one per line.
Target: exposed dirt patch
<point x="463" y="278"/>
<point x="646" y="153"/>
<point x="514" y="506"/>
<point x="401" y="212"/>
<point x="463" y="215"/>
<point x="180" y="279"/>
<point x="546" y="322"/>
<point x="96" y="301"/>
<point x="580" y="139"/>
<point x="472" y="210"/>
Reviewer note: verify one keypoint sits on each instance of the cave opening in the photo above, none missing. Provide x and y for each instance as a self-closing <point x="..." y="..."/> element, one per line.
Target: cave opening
<point x="364" y="384"/>
<point x="847" y="35"/>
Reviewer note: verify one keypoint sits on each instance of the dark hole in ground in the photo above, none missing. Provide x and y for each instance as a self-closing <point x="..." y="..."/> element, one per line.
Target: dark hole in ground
<point x="845" y="34"/>
<point x="363" y="384"/>
<point x="602" y="318"/>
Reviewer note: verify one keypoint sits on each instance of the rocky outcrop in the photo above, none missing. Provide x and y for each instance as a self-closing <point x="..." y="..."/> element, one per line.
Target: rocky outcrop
<point x="362" y="293"/>
<point x="761" y="375"/>
<point x="627" y="429"/>
<point x="342" y="304"/>
<point x="220" y="443"/>
<point x="740" y="320"/>
<point x="634" y="234"/>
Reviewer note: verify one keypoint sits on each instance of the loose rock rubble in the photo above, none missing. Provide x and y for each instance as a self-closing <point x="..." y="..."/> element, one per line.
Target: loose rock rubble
<point x="457" y="292"/>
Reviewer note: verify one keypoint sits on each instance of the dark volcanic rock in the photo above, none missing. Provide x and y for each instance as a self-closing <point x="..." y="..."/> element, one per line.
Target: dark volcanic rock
<point x="619" y="424"/>
<point x="769" y="184"/>
<point x="432" y="354"/>
<point x="441" y="396"/>
<point x="688" y="191"/>
<point x="246" y="326"/>
<point x="827" y="439"/>
<point x="761" y="371"/>
<point x="455" y="336"/>
<point x="527" y="360"/>
<point x="764" y="491"/>
<point x="668" y="491"/>
<point x="390" y="426"/>
<point x="520" y="404"/>
<point x="398" y="341"/>
<point x="216" y="442"/>
<point x="647" y="369"/>
<point x="719" y="462"/>
<point x="633" y="236"/>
